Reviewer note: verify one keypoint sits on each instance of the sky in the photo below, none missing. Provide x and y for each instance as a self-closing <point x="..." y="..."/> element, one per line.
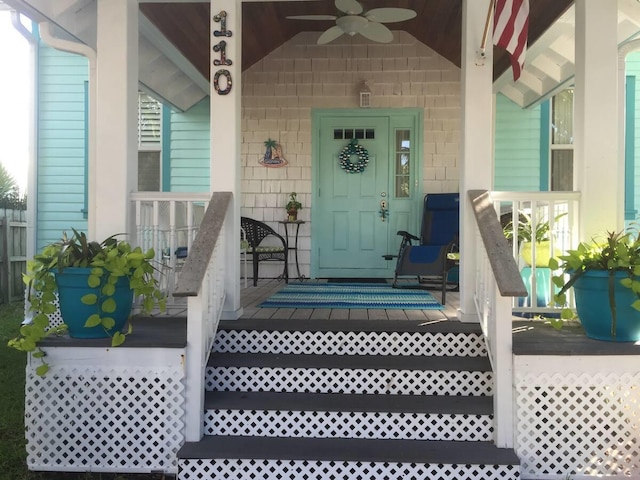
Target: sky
<point x="15" y="99"/>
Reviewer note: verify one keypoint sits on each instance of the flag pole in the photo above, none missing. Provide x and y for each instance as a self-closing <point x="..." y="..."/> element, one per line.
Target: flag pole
<point x="486" y="28"/>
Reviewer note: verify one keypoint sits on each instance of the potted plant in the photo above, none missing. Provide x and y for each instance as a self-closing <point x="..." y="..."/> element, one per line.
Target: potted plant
<point x="526" y="235"/>
<point x="94" y="284"/>
<point x="606" y="285"/>
<point x="293" y="206"/>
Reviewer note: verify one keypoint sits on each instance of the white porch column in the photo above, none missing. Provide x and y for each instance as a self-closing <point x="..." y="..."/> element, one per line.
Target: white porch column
<point x="114" y="174"/>
<point x="598" y="163"/>
<point x="226" y="136"/>
<point x="476" y="169"/>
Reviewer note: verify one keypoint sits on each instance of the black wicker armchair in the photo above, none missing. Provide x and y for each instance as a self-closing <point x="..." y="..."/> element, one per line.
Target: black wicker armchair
<point x="256" y="232"/>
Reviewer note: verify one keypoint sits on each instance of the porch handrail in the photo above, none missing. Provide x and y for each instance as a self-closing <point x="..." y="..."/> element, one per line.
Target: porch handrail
<point x="497" y="279"/>
<point x="168" y="223"/>
<point x="560" y="212"/>
<point x="201" y="281"/>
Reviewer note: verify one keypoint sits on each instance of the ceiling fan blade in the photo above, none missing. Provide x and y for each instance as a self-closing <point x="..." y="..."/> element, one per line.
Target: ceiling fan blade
<point x="312" y="17"/>
<point x="377" y="32"/>
<point x="389" y="15"/>
<point x="351" y="7"/>
<point x="330" y="35"/>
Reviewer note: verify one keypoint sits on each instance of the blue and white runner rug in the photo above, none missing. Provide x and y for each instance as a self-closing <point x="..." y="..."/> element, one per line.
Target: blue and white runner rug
<point x="356" y="295"/>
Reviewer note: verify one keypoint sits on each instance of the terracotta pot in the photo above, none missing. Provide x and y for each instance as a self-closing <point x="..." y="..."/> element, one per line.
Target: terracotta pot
<point x="293" y="215"/>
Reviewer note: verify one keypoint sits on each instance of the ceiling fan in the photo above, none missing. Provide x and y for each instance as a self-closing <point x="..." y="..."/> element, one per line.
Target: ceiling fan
<point x="352" y="20"/>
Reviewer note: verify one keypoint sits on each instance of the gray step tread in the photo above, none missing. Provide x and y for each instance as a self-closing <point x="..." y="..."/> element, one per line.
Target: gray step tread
<point x="349" y="449"/>
<point x="284" y="401"/>
<point x="283" y="325"/>
<point x="395" y="362"/>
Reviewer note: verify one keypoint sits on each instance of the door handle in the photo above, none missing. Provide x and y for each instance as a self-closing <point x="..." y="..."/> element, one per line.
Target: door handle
<point x="384" y="212"/>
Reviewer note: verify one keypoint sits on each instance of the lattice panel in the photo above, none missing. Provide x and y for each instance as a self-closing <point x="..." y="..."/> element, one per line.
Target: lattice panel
<point x="120" y="419"/>
<point x="380" y="425"/>
<point x="337" y="380"/>
<point x="350" y="343"/>
<point x="579" y="424"/>
<point x="196" y="469"/>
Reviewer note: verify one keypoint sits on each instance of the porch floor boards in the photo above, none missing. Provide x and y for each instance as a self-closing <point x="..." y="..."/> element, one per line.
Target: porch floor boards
<point x="251" y="297"/>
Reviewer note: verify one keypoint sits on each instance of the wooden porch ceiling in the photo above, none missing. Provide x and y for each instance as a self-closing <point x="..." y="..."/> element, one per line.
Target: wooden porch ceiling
<point x="438" y="24"/>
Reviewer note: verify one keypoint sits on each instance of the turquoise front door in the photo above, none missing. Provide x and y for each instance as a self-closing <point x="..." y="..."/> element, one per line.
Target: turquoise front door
<point x="356" y="215"/>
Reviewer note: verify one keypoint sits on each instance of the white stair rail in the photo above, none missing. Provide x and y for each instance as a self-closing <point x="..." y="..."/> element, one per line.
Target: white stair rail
<point x="497" y="279"/>
<point x="202" y="283"/>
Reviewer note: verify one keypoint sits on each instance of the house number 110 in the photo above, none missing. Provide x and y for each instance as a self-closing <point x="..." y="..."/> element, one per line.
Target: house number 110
<point x="220" y="48"/>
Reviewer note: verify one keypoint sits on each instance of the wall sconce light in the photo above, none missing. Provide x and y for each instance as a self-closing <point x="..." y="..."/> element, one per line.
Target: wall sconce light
<point x="365" y="95"/>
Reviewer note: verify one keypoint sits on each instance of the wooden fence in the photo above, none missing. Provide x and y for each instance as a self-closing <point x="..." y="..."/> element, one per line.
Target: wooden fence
<point x="13" y="254"/>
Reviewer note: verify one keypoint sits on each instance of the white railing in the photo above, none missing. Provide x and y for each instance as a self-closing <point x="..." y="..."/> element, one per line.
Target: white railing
<point x="202" y="283"/>
<point x="168" y="223"/>
<point x="531" y="212"/>
<point x="497" y="280"/>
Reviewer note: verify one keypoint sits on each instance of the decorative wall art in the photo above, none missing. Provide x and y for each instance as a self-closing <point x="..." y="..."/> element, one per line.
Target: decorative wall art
<point x="221" y="49"/>
<point x="273" y="155"/>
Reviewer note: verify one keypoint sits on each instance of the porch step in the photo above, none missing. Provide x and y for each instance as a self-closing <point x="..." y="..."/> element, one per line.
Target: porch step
<point x="343" y="459"/>
<point x="350" y="337"/>
<point x="322" y="415"/>
<point x="358" y="374"/>
<point x="293" y="399"/>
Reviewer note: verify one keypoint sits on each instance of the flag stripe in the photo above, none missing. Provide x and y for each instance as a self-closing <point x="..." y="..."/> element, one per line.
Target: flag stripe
<point x="510" y="30"/>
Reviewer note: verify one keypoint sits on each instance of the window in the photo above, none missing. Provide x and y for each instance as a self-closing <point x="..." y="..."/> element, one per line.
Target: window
<point x="562" y="141"/>
<point x="149" y="143"/>
<point x="402" y="163"/>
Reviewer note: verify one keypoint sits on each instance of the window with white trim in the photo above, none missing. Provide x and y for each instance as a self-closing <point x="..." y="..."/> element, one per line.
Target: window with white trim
<point x="561" y="158"/>
<point x="149" y="143"/>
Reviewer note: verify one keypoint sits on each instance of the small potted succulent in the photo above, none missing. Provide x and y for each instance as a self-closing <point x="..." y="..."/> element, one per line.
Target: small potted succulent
<point x="94" y="285"/>
<point x="605" y="276"/>
<point x="292" y="207"/>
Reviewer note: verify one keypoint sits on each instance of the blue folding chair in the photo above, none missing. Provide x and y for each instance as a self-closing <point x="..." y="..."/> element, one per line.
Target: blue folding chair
<point x="436" y="252"/>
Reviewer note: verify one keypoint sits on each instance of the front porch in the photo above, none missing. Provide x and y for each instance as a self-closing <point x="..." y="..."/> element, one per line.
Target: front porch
<point x="573" y="414"/>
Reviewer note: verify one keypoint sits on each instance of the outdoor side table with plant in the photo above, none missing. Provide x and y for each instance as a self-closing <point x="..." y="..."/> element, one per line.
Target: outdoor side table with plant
<point x="95" y="284"/>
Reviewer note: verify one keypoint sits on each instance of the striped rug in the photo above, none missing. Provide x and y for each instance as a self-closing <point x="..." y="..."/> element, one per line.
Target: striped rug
<point x="356" y="295"/>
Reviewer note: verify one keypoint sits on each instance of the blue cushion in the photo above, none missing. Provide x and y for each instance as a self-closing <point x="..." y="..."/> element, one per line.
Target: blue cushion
<point x="424" y="254"/>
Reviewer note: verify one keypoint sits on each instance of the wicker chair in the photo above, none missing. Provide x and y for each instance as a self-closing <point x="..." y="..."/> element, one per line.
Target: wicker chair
<point x="256" y="232"/>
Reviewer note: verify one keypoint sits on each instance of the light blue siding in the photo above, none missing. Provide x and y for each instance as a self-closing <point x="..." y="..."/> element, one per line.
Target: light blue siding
<point x="633" y="68"/>
<point x="190" y="147"/>
<point x="517" y="147"/>
<point x="61" y="144"/>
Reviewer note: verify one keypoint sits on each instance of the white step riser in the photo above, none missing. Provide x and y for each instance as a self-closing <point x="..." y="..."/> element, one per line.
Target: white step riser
<point x="337" y="380"/>
<point x="407" y="426"/>
<point x="350" y="343"/>
<point x="241" y="469"/>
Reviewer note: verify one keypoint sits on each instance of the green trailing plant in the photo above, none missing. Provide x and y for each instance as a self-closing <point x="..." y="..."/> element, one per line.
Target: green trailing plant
<point x="620" y="252"/>
<point x="293" y="205"/>
<point x="109" y="260"/>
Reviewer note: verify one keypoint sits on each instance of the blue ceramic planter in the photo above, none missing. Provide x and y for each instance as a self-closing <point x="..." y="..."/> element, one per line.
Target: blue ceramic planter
<point x="72" y="286"/>
<point x="592" y="302"/>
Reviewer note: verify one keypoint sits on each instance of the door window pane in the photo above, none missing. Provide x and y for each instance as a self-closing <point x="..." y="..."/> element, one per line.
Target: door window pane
<point x="402" y="163"/>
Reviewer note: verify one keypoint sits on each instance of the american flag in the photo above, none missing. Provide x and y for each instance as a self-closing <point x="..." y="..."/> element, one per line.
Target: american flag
<point x="510" y="29"/>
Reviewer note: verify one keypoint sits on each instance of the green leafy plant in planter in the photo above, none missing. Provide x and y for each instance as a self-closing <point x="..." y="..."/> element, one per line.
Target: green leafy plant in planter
<point x="596" y="271"/>
<point x="293" y="206"/>
<point x="105" y="270"/>
<point x="526" y="235"/>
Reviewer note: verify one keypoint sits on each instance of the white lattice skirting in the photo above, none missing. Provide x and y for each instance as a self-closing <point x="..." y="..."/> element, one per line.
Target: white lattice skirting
<point x="580" y="419"/>
<point x="89" y="418"/>
<point x="392" y="425"/>
<point x="351" y="343"/>
<point x="336" y="380"/>
<point x="195" y="469"/>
